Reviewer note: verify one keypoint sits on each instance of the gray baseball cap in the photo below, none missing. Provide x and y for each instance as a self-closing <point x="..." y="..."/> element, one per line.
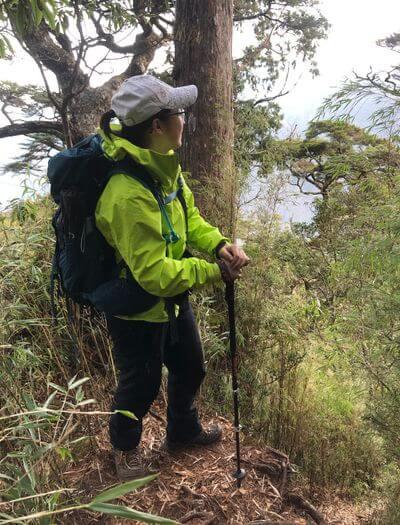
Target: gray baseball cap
<point x="142" y="96"/>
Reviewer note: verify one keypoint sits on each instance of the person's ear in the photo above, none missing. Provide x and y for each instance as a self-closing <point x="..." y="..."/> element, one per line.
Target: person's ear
<point x="156" y="126"/>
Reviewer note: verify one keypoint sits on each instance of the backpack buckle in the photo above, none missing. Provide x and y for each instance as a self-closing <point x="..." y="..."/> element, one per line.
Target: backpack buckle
<point x="171" y="237"/>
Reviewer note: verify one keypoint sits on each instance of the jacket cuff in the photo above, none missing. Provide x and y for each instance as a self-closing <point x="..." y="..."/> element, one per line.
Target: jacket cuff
<point x="215" y="273"/>
<point x="218" y="247"/>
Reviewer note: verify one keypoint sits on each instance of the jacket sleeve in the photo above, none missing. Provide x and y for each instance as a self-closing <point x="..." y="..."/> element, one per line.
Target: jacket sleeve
<point x="201" y="235"/>
<point x="132" y="224"/>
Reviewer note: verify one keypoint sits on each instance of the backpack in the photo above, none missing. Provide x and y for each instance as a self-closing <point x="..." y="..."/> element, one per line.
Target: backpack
<point x="84" y="264"/>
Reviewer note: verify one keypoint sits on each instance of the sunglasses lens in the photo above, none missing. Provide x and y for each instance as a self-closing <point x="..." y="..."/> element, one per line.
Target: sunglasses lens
<point x="191" y="120"/>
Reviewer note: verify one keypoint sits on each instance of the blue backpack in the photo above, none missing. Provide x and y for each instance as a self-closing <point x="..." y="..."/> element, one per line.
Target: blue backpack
<point x="84" y="264"/>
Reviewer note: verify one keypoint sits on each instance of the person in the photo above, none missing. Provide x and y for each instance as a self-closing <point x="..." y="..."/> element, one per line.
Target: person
<point x="151" y="118"/>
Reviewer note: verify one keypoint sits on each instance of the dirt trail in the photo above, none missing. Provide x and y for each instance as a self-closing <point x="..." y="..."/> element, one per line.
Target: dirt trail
<point x="196" y="486"/>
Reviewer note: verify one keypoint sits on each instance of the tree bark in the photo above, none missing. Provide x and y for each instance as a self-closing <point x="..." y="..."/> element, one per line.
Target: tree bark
<point x="203" y="56"/>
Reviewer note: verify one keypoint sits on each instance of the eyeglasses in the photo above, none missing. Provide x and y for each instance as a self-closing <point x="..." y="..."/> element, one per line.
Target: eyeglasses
<point x="184" y="113"/>
<point x="187" y="117"/>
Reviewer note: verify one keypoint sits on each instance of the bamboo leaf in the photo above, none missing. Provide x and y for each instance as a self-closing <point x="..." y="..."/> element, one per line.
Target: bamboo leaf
<point x="126" y="512"/>
<point x="4" y="476"/>
<point x="124" y="488"/>
<point x="75" y="384"/>
<point x="58" y="387"/>
<point x="126" y="413"/>
<point x="2" y="48"/>
<point x="49" y="399"/>
<point x="71" y="381"/>
<point x="86" y="402"/>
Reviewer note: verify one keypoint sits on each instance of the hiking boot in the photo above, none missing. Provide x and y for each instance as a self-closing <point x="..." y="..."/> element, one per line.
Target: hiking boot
<point x="203" y="438"/>
<point x="131" y="464"/>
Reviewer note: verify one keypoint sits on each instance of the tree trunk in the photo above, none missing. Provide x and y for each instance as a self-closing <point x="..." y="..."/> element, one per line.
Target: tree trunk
<point x="203" y="56"/>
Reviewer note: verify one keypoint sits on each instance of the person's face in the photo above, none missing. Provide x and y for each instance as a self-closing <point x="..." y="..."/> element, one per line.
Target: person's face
<point x="166" y="133"/>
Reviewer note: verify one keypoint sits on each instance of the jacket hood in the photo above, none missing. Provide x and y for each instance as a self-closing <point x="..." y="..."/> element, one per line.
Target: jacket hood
<point x="164" y="167"/>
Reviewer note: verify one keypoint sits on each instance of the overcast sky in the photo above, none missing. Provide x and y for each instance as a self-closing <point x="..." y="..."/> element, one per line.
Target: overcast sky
<point x="356" y="25"/>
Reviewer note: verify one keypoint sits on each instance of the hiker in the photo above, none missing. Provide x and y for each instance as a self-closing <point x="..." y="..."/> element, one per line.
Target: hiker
<point x="151" y="117"/>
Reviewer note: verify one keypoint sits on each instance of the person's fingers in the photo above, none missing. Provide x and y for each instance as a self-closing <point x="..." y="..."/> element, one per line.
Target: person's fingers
<point x="234" y="250"/>
<point x="226" y="250"/>
<point x="241" y="262"/>
<point x="230" y="255"/>
<point x="235" y="260"/>
<point x="237" y="257"/>
<point x="235" y="264"/>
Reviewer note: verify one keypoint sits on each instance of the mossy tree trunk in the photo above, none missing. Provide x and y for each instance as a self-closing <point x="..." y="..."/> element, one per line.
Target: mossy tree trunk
<point x="203" y="56"/>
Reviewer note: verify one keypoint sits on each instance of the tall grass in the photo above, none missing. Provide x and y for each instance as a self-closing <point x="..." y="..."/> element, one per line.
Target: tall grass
<point x="295" y="393"/>
<point x="56" y="381"/>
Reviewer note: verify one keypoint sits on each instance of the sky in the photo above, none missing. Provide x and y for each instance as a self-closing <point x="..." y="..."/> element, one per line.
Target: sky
<point x="350" y="46"/>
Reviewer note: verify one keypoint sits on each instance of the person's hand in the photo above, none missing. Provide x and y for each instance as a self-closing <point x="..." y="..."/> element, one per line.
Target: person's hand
<point x="234" y="255"/>
<point x="228" y="272"/>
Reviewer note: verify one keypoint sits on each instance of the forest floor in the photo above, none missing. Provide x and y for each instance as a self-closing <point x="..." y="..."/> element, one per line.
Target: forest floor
<point x="196" y="486"/>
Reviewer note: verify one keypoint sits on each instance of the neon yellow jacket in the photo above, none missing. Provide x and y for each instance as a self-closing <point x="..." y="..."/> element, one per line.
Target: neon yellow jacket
<point x="129" y="217"/>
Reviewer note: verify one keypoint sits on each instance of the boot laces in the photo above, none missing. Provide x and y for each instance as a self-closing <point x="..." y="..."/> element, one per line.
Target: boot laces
<point x="133" y="459"/>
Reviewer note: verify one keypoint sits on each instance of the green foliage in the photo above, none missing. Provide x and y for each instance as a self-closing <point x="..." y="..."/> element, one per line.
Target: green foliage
<point x="334" y="153"/>
<point x="389" y="487"/>
<point x="317" y="313"/>
<point x="26" y="15"/>
<point x="296" y="393"/>
<point x="367" y="274"/>
<point x="44" y="425"/>
<point x="29" y="102"/>
<point x="254" y="129"/>
<point x="41" y="435"/>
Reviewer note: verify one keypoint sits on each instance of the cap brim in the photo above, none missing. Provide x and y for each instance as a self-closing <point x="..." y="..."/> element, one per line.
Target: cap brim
<point x="182" y="97"/>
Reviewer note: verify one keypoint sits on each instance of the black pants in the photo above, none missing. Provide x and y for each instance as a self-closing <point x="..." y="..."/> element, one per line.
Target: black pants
<point x="140" y="349"/>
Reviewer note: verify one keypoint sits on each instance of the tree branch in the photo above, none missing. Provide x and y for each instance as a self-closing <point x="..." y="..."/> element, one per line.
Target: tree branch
<point x="262" y="14"/>
<point x="32" y="126"/>
<point x="269" y="99"/>
<point x="143" y="51"/>
<point x="3" y="110"/>
<point x="107" y="39"/>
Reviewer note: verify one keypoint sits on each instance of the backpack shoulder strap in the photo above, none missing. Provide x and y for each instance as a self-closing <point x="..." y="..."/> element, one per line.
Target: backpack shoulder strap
<point x="179" y="194"/>
<point x="131" y="168"/>
<point x="136" y="171"/>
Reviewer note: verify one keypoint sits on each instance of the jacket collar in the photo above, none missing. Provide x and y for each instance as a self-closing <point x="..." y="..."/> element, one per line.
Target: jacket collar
<point x="164" y="167"/>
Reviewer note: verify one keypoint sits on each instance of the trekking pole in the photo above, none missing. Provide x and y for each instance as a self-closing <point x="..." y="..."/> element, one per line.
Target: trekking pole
<point x="230" y="299"/>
